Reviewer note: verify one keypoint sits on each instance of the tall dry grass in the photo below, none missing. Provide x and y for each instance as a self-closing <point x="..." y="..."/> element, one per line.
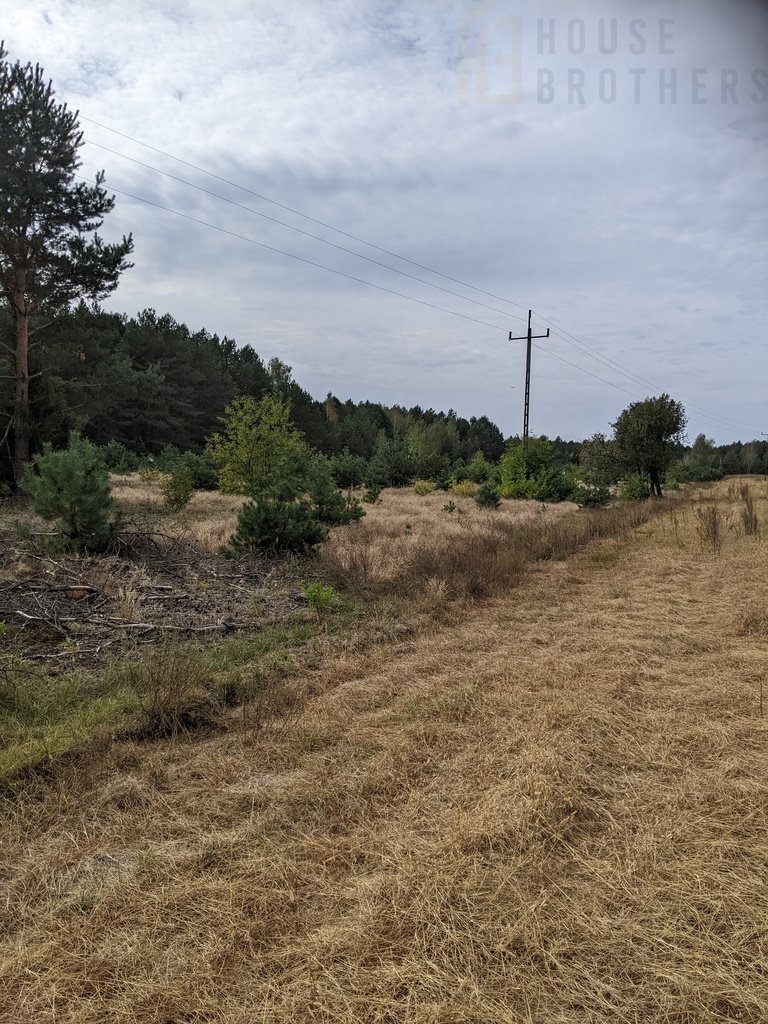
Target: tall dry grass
<point x="208" y="521"/>
<point x="469" y="555"/>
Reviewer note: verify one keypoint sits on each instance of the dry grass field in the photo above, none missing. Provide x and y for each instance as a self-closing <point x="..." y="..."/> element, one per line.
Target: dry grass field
<point x="549" y="808"/>
<point x="210" y="518"/>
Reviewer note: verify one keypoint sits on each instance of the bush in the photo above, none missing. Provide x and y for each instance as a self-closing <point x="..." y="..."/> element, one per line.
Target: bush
<point x="392" y="463"/>
<point x="271" y="524"/>
<point x="463" y="489"/>
<point x="687" y="472"/>
<point x="331" y="506"/>
<point x="168" y="459"/>
<point x="488" y="495"/>
<point x="293" y="494"/>
<point x="320" y="597"/>
<point x="348" y="470"/>
<point x="423" y="487"/>
<point x="551" y="485"/>
<point x="202" y="469"/>
<point x="72" y="487"/>
<point x="530" y="473"/>
<point x="372" y="493"/>
<point x="634" y="488"/>
<point x="176" y="488"/>
<point x="148" y="472"/>
<point x="174" y="689"/>
<point x="259" y="449"/>
<point x="119" y="459"/>
<point x="591" y="497"/>
<point x="478" y="469"/>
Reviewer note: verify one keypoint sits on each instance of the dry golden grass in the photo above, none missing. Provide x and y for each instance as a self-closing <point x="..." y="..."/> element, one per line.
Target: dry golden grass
<point x="554" y="811"/>
<point x="208" y="521"/>
<point x="400" y="515"/>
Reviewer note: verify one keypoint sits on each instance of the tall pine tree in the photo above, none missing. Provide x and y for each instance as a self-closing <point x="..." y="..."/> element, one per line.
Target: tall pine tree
<point x="47" y="259"/>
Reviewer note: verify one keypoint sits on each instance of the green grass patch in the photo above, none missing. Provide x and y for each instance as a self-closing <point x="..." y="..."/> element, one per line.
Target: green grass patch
<point x="162" y="691"/>
<point x="43" y="717"/>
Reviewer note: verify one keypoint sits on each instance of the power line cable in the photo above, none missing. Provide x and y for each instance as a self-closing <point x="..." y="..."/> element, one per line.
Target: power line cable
<point x="726" y="421"/>
<point x="560" y="332"/>
<point x="295" y="256"/>
<point x="298" y="213"/>
<point x="301" y="231"/>
<point x="350" y="277"/>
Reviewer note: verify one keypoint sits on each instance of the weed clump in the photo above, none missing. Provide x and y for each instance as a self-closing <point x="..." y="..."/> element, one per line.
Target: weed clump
<point x="174" y="690"/>
<point x="709" y="527"/>
<point x="748" y="514"/>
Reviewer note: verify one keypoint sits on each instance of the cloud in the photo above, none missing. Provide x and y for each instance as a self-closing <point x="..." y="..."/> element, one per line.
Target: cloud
<point x="638" y="227"/>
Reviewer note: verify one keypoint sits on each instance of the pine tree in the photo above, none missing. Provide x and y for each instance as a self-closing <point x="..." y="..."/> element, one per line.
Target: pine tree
<point x="47" y="259"/>
<point x="72" y="486"/>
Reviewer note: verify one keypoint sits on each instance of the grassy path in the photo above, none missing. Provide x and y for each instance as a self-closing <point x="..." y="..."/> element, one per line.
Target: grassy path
<point x="552" y="812"/>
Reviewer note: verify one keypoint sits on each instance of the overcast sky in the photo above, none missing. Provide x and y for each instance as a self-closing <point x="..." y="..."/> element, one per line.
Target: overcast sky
<point x="604" y="163"/>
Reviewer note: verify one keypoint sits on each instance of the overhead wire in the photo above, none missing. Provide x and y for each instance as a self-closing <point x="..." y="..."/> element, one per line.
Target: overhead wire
<point x="301" y="231"/>
<point x="559" y="332"/>
<point x="295" y="256"/>
<point x="591" y="353"/>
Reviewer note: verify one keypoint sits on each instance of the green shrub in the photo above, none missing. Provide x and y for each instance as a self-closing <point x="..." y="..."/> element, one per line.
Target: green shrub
<point x="423" y="487"/>
<point x="551" y="485"/>
<point x="517" y="489"/>
<point x="634" y="488"/>
<point x="331" y="506"/>
<point x="591" y="497"/>
<point x="71" y="487"/>
<point x="176" y="488"/>
<point x="443" y="481"/>
<point x="320" y="597"/>
<point x="118" y="458"/>
<point x="259" y="448"/>
<point x="168" y="458"/>
<point x="685" y="471"/>
<point x="392" y="464"/>
<point x="348" y="470"/>
<point x="478" y="469"/>
<point x="293" y="494"/>
<point x="270" y="524"/>
<point x="372" y="493"/>
<point x="202" y="469"/>
<point x="488" y="495"/>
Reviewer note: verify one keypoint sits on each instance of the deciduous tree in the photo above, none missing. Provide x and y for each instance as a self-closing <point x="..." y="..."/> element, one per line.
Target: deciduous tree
<point x="646" y="434"/>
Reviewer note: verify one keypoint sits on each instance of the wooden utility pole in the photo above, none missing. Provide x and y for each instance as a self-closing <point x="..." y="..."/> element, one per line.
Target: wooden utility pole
<point x="526" y="414"/>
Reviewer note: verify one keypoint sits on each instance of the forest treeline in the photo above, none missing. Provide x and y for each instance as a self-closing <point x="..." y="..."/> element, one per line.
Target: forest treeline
<point x="148" y="382"/>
